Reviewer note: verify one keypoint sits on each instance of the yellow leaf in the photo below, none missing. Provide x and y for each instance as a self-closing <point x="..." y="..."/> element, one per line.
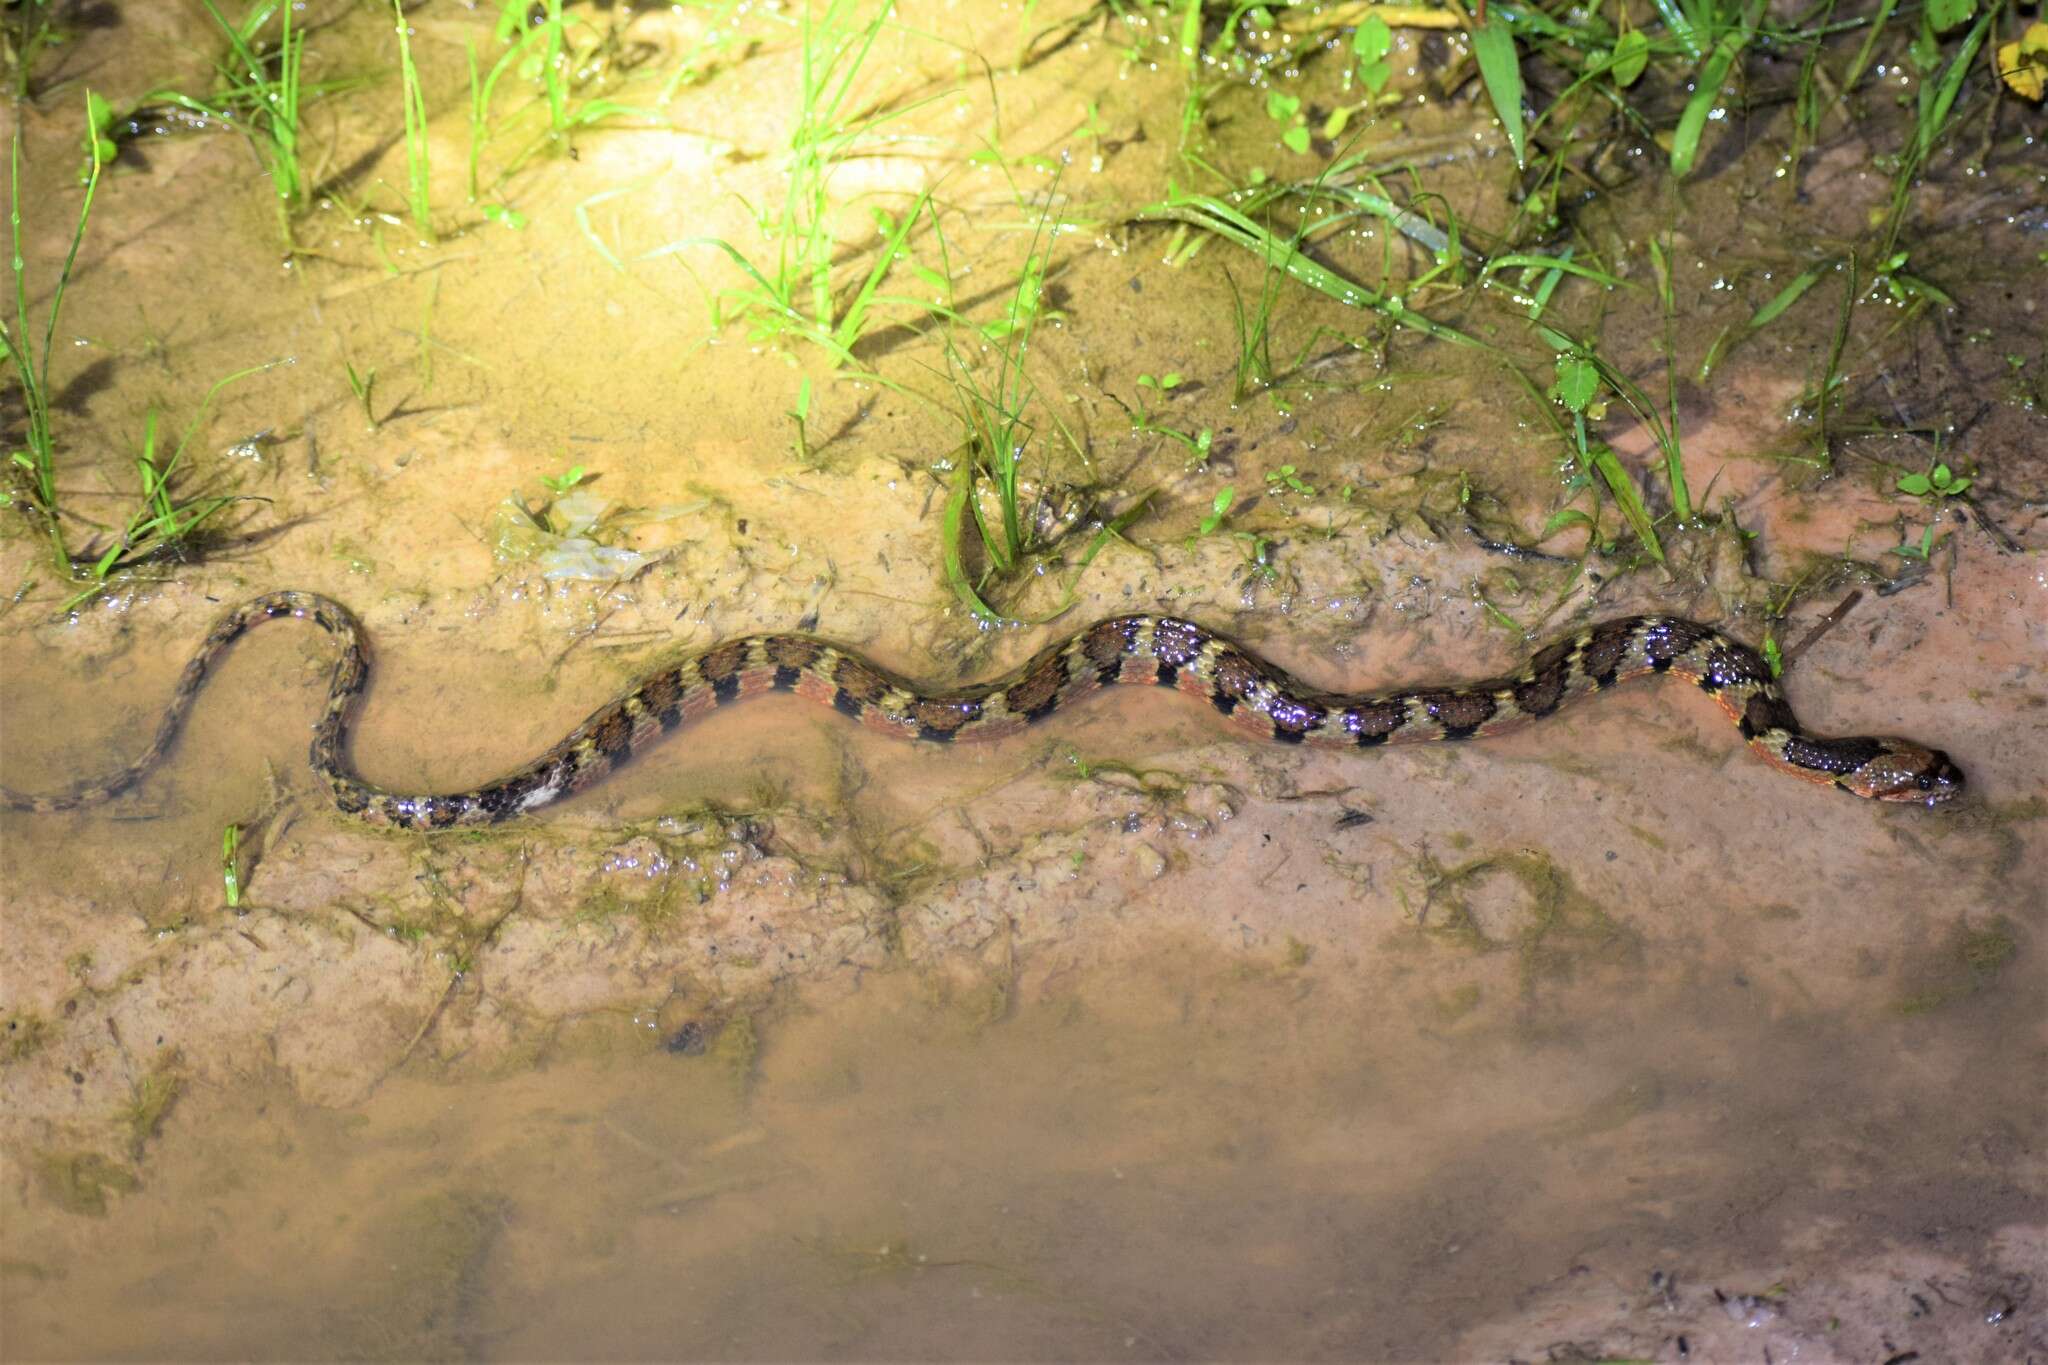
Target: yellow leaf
<point x="2024" y="64"/>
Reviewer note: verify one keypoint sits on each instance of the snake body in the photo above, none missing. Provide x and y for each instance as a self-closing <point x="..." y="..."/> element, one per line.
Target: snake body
<point x="1162" y="651"/>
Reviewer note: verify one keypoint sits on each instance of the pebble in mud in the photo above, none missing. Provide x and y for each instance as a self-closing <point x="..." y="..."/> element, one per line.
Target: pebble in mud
<point x="690" y="1040"/>
<point x="683" y="1026"/>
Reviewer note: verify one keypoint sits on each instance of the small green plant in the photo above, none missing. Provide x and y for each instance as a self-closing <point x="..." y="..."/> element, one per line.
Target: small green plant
<point x="1935" y="94"/>
<point x="269" y="97"/>
<point x="793" y="294"/>
<point x="257" y="89"/>
<point x="1258" y="555"/>
<point x="100" y="146"/>
<point x="231" y="865"/>
<point x="1285" y="110"/>
<point x="23" y="37"/>
<point x="1933" y="488"/>
<point x="1254" y="332"/>
<point x="1286" y="480"/>
<point x="542" y="46"/>
<point x="1937" y="483"/>
<point x="1228" y="221"/>
<point x="1576" y="391"/>
<point x="1724" y="36"/>
<point x="419" y="197"/>
<point x="1163" y="384"/>
<point x="1142" y="420"/>
<point x="996" y="433"/>
<point x="1372" y="42"/>
<point x="364" y="386"/>
<point x="1212" y="520"/>
<point x="558" y="484"/>
<point x="164" y="520"/>
<point x="1500" y="71"/>
<point x="37" y="461"/>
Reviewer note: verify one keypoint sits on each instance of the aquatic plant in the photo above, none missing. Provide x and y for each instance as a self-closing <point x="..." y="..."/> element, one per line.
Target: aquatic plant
<point x="24" y="36"/>
<point x="793" y="295"/>
<point x="37" y="461"/>
<point x="418" y="167"/>
<point x="258" y="90"/>
<point x="560" y="56"/>
<point x="992" y="405"/>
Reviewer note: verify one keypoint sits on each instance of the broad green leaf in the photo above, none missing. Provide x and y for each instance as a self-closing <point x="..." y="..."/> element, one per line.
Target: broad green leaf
<point x="1493" y="43"/>
<point x="1373" y="39"/>
<point x="1578" y="379"/>
<point x="1631" y="55"/>
<point x="1371" y="43"/>
<point x="1943" y="15"/>
<point x="1685" y="143"/>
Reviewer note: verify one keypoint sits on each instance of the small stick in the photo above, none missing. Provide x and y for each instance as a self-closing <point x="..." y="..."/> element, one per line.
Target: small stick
<point x="1826" y="624"/>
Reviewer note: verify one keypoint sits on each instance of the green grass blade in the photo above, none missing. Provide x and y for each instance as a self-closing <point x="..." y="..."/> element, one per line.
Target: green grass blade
<point x="1556" y="265"/>
<point x="1934" y="121"/>
<point x="1685" y="142"/>
<point x="1764" y="316"/>
<point x="1213" y="215"/>
<point x="1681" y="27"/>
<point x="951" y="525"/>
<point x="854" y="320"/>
<point x="1493" y="43"/>
<point x="1626" y="498"/>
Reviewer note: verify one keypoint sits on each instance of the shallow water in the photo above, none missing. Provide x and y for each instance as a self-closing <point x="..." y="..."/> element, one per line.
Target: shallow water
<point x="1122" y="1038"/>
<point x="1193" y="1153"/>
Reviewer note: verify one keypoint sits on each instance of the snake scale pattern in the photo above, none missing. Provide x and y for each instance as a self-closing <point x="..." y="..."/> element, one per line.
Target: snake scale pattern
<point x="1158" y="650"/>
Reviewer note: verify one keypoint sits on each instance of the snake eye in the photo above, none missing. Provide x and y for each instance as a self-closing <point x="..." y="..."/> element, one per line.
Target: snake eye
<point x="1926" y="783"/>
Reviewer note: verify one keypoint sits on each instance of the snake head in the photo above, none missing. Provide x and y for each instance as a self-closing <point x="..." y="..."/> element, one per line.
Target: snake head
<point x="1907" y="772"/>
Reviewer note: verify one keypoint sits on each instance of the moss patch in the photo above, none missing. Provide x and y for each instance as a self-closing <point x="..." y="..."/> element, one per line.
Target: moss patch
<point x="1969" y="962"/>
<point x="22" y="1035"/>
<point x="1549" y="924"/>
<point x="83" y="1182"/>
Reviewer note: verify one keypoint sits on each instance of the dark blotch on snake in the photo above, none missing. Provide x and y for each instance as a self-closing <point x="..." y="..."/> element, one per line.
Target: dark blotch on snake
<point x="1544" y="693"/>
<point x="1037" y="693"/>
<point x="1460" y="713"/>
<point x="1176" y="642"/>
<point x="791" y="651"/>
<point x="941" y="720"/>
<point x="1763" y="714"/>
<point x="1604" y="649"/>
<point x="859" y="681"/>
<point x="1837" y="756"/>
<point x="613" y="736"/>
<point x="1109" y="641"/>
<point x="1372" y="724"/>
<point x="1236" y="675"/>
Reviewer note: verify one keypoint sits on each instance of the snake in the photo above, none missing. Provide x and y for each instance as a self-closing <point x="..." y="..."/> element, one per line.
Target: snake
<point x="1161" y="651"/>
